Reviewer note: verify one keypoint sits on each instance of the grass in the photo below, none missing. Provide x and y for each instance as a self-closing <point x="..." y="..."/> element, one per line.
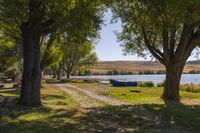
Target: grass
<point x="149" y="113"/>
<point x="148" y="95"/>
<point x="60" y="113"/>
<point x="190" y="88"/>
<point x="146" y="84"/>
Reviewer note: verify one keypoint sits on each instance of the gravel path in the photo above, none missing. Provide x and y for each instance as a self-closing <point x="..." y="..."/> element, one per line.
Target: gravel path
<point x="89" y="98"/>
<point x="84" y="100"/>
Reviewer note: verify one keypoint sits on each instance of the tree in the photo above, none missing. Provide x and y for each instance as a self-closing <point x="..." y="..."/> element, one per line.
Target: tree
<point x="35" y="19"/>
<point x="51" y="54"/>
<point x="8" y="56"/>
<point x="168" y="29"/>
<point x="77" y="55"/>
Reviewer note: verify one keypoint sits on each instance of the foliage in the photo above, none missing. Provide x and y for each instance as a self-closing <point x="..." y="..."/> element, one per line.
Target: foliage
<point x="87" y="72"/>
<point x="7" y="55"/>
<point x="52" y="56"/>
<point x="146" y="84"/>
<point x="194" y="72"/>
<point x="116" y="72"/>
<point x="77" y="56"/>
<point x="150" y="16"/>
<point x="161" y="72"/>
<point x="168" y="29"/>
<point x="190" y="88"/>
<point x="161" y="84"/>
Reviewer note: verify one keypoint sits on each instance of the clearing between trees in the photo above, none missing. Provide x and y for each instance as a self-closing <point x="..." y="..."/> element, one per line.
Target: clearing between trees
<point x="81" y="107"/>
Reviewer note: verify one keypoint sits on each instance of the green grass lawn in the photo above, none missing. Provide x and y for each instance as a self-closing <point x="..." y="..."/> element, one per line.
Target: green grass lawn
<point x="60" y="113"/>
<point x="149" y="112"/>
<point x="148" y="95"/>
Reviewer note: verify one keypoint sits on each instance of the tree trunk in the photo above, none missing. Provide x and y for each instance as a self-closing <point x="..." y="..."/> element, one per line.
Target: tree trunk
<point x="172" y="81"/>
<point x="31" y="79"/>
<point x="58" y="74"/>
<point x="54" y="72"/>
<point x="68" y="73"/>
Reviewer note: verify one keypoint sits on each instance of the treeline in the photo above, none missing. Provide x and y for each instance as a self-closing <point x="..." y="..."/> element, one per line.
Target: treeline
<point x="146" y="72"/>
<point x="116" y="72"/>
<point x="194" y="72"/>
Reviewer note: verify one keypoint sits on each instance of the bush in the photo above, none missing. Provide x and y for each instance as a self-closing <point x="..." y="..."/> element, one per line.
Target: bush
<point x="190" y="88"/>
<point x="148" y="72"/>
<point x="194" y="72"/>
<point x="116" y="72"/>
<point x="146" y="84"/>
<point x="161" y="72"/>
<point x="87" y="72"/>
<point x="161" y="84"/>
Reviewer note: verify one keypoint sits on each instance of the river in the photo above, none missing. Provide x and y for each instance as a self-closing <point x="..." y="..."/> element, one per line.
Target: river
<point x="186" y="78"/>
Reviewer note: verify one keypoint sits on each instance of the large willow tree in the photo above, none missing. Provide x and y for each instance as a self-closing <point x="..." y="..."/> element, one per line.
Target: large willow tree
<point x="33" y="19"/>
<point x="168" y="29"/>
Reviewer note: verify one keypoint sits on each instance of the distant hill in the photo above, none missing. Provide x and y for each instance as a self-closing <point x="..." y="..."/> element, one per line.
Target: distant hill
<point x="138" y="66"/>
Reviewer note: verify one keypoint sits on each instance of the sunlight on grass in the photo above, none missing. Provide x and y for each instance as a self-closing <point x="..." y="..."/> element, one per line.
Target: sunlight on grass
<point x="146" y="96"/>
<point x="60" y="113"/>
<point x="45" y="118"/>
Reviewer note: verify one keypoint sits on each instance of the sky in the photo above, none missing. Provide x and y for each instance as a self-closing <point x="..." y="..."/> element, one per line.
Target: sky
<point x="108" y="49"/>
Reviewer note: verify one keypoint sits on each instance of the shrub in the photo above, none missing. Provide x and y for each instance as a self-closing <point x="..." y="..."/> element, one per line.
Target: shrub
<point x="190" y="88"/>
<point x="194" y="72"/>
<point x="146" y="84"/>
<point x="87" y="72"/>
<point x="148" y="72"/>
<point x="161" y="84"/>
<point x="161" y="72"/>
<point x="116" y="72"/>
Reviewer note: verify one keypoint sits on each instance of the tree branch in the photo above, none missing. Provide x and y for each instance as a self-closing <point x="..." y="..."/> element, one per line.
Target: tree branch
<point x="188" y="29"/>
<point x="172" y="41"/>
<point x="165" y="37"/>
<point x="155" y="52"/>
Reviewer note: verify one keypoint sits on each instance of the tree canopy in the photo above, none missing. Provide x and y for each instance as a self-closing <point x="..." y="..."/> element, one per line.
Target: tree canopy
<point x="168" y="29"/>
<point x="76" y="54"/>
<point x="29" y="21"/>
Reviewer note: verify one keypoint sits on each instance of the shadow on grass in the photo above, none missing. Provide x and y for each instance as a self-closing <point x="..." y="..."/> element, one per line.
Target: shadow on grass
<point x="39" y="120"/>
<point x="48" y="96"/>
<point x="111" y="119"/>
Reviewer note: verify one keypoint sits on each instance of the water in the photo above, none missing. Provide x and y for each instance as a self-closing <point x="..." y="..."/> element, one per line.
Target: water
<point x="186" y="78"/>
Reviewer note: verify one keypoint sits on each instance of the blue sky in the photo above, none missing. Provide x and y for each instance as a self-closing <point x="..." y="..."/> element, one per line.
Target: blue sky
<point x="108" y="49"/>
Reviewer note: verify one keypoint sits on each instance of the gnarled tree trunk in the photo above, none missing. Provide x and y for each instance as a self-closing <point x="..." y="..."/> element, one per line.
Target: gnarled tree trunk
<point x="53" y="72"/>
<point x="173" y="75"/>
<point x="68" y="73"/>
<point x="31" y="80"/>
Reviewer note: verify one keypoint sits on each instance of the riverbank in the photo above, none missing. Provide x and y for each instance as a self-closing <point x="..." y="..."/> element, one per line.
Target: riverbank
<point x="186" y="78"/>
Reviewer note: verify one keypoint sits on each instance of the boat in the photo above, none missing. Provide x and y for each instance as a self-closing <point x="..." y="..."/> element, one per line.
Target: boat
<point x="123" y="83"/>
<point x="103" y="82"/>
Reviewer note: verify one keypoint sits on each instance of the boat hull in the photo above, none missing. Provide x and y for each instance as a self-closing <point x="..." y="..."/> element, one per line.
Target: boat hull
<point x="123" y="83"/>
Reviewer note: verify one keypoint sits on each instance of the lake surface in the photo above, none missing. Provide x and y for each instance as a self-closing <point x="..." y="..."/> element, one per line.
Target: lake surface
<point x="186" y="78"/>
